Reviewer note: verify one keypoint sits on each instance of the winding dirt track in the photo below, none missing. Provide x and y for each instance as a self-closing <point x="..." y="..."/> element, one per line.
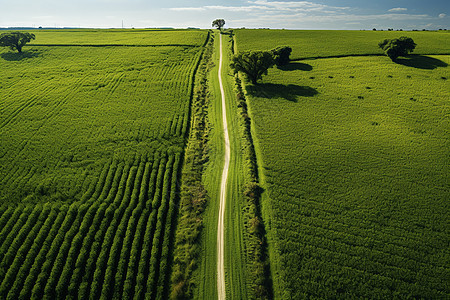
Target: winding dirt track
<point x="223" y="186"/>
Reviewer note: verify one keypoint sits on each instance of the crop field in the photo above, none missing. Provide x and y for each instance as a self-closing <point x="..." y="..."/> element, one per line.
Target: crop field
<point x="91" y="140"/>
<point x="135" y="37"/>
<point x="319" y="43"/>
<point x="355" y="165"/>
<point x="97" y="158"/>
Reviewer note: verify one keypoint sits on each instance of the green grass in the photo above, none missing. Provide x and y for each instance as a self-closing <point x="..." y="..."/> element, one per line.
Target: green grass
<point x="92" y="139"/>
<point x="322" y="43"/>
<point x="235" y="275"/>
<point x="207" y="273"/>
<point x="135" y="37"/>
<point x="355" y="166"/>
<point x="235" y="247"/>
<point x="353" y="154"/>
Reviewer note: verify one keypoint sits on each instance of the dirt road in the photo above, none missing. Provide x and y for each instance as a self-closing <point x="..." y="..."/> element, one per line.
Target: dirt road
<point x="223" y="186"/>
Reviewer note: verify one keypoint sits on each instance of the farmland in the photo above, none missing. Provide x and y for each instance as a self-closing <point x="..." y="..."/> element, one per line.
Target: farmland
<point x="109" y="139"/>
<point x="353" y="154"/>
<point x="319" y="43"/>
<point x="136" y="37"/>
<point x="92" y="141"/>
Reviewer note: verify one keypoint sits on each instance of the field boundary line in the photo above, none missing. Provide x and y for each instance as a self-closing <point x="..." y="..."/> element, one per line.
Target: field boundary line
<point x="113" y="45"/>
<point x="359" y="55"/>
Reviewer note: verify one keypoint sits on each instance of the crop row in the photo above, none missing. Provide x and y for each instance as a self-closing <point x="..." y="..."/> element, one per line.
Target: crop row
<point x="112" y="92"/>
<point x="117" y="244"/>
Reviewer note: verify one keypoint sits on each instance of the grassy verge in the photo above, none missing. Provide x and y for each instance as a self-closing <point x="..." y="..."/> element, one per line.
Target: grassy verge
<point x="257" y="261"/>
<point x="193" y="194"/>
<point x="206" y="275"/>
<point x="235" y="246"/>
<point x="265" y="212"/>
<point x="234" y="252"/>
<point x="237" y="280"/>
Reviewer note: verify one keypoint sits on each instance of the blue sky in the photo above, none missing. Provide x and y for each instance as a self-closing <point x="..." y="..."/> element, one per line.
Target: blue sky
<point x="320" y="14"/>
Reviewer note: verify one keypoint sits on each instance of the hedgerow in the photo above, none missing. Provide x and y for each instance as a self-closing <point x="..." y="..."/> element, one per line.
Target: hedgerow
<point x="255" y="235"/>
<point x="193" y="196"/>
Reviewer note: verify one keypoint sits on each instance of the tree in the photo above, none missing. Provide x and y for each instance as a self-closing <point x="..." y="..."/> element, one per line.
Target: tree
<point x="281" y="55"/>
<point x="253" y="64"/>
<point x="397" y="47"/>
<point x="15" y="40"/>
<point x="219" y="23"/>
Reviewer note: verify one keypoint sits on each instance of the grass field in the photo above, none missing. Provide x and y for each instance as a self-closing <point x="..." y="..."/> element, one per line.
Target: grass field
<point x="355" y="163"/>
<point x="323" y="43"/>
<point x="352" y="155"/>
<point x="135" y="37"/>
<point x="91" y="144"/>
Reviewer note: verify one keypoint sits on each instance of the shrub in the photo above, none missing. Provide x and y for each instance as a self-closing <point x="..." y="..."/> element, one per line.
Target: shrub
<point x="397" y="47"/>
<point x="281" y="55"/>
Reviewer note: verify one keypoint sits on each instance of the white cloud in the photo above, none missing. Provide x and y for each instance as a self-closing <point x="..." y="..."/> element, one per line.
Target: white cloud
<point x="220" y="7"/>
<point x="236" y="8"/>
<point x="295" y="5"/>
<point x="398" y="9"/>
<point x="442" y="16"/>
<point x="301" y="18"/>
<point x="269" y="6"/>
<point x="187" y="8"/>
<point x="297" y="14"/>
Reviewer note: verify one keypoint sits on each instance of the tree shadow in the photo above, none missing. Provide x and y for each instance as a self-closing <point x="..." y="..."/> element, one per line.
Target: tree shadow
<point x="293" y="66"/>
<point x="289" y="92"/>
<point x="421" y="62"/>
<point x="15" y="56"/>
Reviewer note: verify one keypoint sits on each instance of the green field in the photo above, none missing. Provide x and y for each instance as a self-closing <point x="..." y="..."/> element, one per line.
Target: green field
<point x="324" y="43"/>
<point x="111" y="155"/>
<point x="91" y="144"/>
<point x="136" y="37"/>
<point x="354" y="157"/>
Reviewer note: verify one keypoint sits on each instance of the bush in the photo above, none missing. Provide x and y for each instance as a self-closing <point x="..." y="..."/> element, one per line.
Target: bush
<point x="281" y="55"/>
<point x="397" y="47"/>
